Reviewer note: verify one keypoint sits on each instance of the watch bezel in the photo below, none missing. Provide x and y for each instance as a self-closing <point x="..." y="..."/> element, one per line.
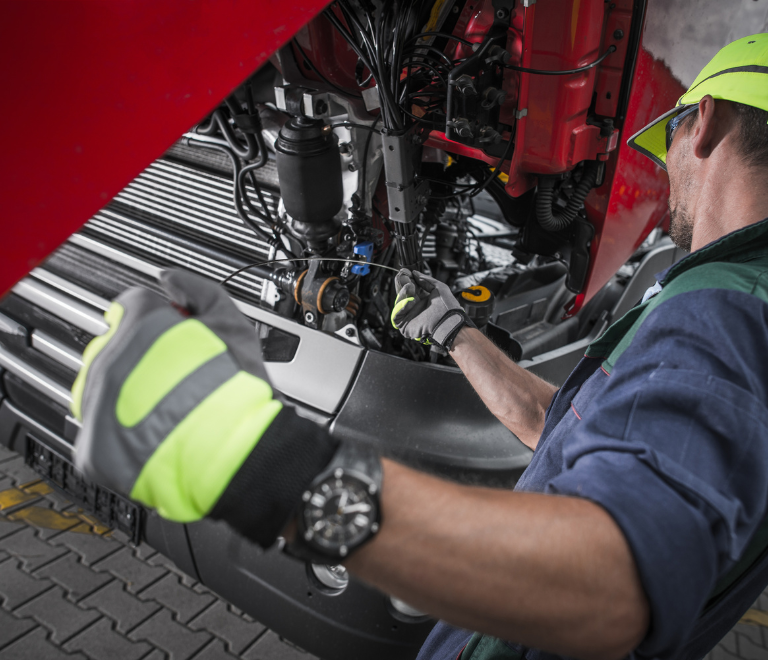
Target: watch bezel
<point x="338" y="473"/>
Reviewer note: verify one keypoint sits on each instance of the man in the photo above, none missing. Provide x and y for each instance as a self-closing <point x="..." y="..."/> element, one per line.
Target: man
<point x="639" y="525"/>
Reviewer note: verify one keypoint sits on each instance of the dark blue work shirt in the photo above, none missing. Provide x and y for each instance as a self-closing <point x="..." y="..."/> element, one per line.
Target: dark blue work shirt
<point x="669" y="434"/>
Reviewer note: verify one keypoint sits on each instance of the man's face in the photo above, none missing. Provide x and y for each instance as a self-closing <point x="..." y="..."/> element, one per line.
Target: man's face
<point x="679" y="160"/>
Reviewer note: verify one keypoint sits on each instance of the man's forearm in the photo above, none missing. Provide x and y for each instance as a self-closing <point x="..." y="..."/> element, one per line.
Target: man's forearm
<point x="554" y="573"/>
<point x="515" y="396"/>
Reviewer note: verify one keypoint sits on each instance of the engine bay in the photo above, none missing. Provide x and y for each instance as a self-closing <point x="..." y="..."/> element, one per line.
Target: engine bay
<point x="405" y="150"/>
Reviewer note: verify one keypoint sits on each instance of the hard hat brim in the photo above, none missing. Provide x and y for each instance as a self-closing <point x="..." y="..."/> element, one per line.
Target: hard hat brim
<point x="651" y="141"/>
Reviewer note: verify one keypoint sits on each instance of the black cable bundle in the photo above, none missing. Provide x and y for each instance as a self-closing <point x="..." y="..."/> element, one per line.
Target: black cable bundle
<point x="386" y="44"/>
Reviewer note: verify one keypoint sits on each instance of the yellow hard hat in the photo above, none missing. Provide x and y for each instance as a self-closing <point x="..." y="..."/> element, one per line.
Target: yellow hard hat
<point x="739" y="72"/>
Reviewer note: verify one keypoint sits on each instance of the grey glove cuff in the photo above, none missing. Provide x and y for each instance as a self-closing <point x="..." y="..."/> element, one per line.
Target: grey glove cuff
<point x="448" y="327"/>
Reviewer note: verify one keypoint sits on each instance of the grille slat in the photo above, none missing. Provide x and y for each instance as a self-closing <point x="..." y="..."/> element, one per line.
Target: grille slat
<point x="177" y="215"/>
<point x="132" y="236"/>
<point x="204" y="185"/>
<point x="195" y="203"/>
<point x="193" y="220"/>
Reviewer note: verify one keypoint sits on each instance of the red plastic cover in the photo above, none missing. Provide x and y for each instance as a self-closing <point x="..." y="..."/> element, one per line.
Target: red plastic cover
<point x="94" y="91"/>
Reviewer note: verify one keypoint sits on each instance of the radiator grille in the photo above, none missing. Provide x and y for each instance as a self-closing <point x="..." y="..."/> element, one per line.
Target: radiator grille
<point x="178" y="215"/>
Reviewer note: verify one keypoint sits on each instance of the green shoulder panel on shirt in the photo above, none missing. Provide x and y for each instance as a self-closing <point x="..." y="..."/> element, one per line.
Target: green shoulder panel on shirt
<point x="750" y="277"/>
<point x="485" y="647"/>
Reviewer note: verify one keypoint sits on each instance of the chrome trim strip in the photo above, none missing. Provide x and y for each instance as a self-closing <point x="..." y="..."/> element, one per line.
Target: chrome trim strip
<point x="35" y="378"/>
<point x="320" y="358"/>
<point x="10" y="327"/>
<point x="116" y="255"/>
<point x="52" y="300"/>
<point x="55" y="350"/>
<point x="71" y="289"/>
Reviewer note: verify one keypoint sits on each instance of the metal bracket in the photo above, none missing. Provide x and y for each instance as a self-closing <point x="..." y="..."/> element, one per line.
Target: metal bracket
<point x="371" y="98"/>
<point x="302" y="102"/>
<point x="521" y="113"/>
<point x="528" y="3"/>
<point x="405" y="197"/>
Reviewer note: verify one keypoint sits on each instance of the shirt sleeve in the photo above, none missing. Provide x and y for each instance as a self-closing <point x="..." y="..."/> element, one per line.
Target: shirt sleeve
<point x="676" y="451"/>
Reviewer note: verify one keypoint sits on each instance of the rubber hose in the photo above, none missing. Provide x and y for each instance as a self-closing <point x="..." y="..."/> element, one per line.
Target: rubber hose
<point x="218" y="119"/>
<point x="552" y="221"/>
<point x="213" y="143"/>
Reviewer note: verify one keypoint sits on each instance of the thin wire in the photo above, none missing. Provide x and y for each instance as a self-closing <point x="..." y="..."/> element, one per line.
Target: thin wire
<point x="351" y="41"/>
<point x="280" y="261"/>
<point x="541" y="72"/>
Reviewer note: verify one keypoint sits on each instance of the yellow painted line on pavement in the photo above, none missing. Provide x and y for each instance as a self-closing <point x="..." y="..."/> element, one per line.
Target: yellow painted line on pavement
<point x="59" y="520"/>
<point x="27" y="492"/>
<point x="39" y="487"/>
<point x="43" y="517"/>
<point x="755" y="618"/>
<point x="13" y="497"/>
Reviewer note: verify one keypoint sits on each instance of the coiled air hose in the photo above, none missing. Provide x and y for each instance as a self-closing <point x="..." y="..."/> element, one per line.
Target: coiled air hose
<point x="557" y="221"/>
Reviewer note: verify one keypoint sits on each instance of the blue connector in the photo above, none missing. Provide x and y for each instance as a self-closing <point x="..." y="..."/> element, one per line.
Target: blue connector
<point x="364" y="249"/>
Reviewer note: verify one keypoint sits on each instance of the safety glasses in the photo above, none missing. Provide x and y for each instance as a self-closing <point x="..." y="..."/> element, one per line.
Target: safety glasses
<point x="674" y="123"/>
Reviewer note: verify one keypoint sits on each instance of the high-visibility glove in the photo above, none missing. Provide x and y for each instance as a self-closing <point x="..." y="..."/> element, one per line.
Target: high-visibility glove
<point x="425" y="310"/>
<point x="177" y="413"/>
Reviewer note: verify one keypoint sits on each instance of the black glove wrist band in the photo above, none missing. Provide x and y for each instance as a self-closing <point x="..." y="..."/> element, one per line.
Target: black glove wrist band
<point x="264" y="493"/>
<point x="455" y="316"/>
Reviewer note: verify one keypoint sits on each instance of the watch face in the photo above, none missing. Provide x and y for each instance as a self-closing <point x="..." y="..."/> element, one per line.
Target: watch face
<point x="339" y="514"/>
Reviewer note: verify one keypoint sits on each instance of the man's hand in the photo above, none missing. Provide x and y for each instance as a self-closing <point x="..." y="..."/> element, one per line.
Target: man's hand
<point x="425" y="309"/>
<point x="178" y="414"/>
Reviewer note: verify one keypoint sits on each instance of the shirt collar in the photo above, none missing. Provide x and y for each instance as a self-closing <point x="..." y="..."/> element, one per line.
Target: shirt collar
<point x="741" y="245"/>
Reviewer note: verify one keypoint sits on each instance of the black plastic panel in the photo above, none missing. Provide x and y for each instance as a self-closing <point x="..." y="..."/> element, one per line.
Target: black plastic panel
<point x="276" y="591"/>
<point x="45" y="411"/>
<point x="50" y="456"/>
<point x="170" y="539"/>
<point x="430" y="417"/>
<point x="15" y="426"/>
<point x="106" y="506"/>
<point x="34" y="317"/>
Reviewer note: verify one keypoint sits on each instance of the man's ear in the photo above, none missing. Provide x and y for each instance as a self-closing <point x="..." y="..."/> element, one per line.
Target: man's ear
<point x="707" y="129"/>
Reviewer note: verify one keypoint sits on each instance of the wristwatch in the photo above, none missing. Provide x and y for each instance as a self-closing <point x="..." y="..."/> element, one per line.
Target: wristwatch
<point x="340" y="511"/>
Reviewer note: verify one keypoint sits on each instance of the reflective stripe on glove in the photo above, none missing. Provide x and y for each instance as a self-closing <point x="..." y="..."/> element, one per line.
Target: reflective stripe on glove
<point x="178" y="414"/>
<point x="425" y="309"/>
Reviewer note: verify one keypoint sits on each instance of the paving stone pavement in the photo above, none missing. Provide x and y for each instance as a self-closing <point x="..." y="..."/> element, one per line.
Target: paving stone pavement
<point x="71" y="590"/>
<point x="74" y="591"/>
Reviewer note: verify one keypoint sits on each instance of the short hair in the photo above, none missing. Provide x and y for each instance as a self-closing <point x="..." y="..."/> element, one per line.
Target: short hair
<point x="753" y="134"/>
